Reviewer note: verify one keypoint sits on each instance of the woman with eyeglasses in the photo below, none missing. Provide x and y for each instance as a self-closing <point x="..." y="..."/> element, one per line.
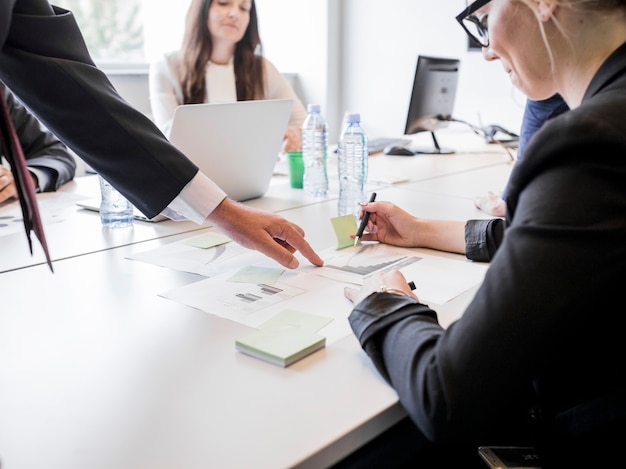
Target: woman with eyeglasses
<point x="536" y="357"/>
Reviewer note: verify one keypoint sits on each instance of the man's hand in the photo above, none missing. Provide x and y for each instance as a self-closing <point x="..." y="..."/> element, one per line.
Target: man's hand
<point x="266" y="232"/>
<point x="8" y="189"/>
<point x="7" y="184"/>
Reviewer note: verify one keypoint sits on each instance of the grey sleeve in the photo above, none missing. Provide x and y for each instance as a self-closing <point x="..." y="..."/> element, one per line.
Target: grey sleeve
<point x="45" y="154"/>
<point x="482" y="238"/>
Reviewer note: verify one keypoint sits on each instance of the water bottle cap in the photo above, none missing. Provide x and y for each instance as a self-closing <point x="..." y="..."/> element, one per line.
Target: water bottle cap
<point x="313" y="108"/>
<point x="353" y="117"/>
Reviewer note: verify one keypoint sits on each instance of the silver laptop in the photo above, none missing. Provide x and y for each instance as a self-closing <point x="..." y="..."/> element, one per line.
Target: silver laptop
<point x="235" y="144"/>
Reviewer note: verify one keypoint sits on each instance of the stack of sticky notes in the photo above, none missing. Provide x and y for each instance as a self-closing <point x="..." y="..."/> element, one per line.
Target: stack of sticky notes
<point x="286" y="338"/>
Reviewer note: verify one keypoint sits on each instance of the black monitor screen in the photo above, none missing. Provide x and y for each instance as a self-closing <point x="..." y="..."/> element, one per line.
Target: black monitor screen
<point x="433" y="95"/>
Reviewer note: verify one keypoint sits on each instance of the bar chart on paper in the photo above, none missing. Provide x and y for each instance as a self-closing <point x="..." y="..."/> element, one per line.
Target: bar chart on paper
<point x="353" y="265"/>
<point x="248" y="298"/>
<point x="438" y="280"/>
<point x="366" y="270"/>
<point x="254" y="303"/>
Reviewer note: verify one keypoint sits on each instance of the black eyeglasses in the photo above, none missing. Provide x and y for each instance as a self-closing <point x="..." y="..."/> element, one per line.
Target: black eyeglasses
<point x="475" y="26"/>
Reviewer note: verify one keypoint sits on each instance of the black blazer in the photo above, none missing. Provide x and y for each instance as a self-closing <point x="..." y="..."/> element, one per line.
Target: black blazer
<point x="44" y="61"/>
<point x="534" y="358"/>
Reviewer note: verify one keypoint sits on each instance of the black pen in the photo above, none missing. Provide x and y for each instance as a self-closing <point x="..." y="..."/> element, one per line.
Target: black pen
<point x="366" y="217"/>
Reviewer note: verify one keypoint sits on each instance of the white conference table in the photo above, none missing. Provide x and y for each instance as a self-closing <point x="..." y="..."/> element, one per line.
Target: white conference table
<point x="74" y="231"/>
<point x="98" y="371"/>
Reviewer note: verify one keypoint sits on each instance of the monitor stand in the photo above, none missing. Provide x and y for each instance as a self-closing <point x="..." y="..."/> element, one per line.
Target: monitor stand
<point x="436" y="150"/>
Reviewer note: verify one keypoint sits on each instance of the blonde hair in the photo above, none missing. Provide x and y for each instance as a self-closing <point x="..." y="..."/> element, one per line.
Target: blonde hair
<point x="581" y="5"/>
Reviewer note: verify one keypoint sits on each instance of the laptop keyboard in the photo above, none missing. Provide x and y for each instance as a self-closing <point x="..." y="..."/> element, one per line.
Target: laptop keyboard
<point x="375" y="145"/>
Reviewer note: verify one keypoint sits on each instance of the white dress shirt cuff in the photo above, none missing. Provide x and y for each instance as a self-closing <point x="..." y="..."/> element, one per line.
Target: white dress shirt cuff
<point x="196" y="201"/>
<point x="42" y="179"/>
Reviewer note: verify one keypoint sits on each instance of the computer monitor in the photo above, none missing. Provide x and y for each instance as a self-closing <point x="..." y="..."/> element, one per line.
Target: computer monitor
<point x="432" y="98"/>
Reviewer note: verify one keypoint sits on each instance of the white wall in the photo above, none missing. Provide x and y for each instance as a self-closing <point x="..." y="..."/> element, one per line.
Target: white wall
<point x="296" y="37"/>
<point x="164" y="25"/>
<point x="371" y="49"/>
<point x="381" y="42"/>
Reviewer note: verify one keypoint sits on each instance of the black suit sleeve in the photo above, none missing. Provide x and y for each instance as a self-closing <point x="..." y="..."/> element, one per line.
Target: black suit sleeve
<point x="44" y="61"/>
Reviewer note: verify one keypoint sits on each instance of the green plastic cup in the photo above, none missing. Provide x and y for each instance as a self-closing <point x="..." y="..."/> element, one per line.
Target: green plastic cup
<point x="296" y="168"/>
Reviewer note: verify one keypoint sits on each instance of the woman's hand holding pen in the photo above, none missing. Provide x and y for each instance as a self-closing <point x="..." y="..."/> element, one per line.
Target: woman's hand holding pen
<point x="389" y="224"/>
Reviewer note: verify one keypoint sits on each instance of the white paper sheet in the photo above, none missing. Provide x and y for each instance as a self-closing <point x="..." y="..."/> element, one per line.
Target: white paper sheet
<point x="438" y="280"/>
<point x="253" y="304"/>
<point x="315" y="290"/>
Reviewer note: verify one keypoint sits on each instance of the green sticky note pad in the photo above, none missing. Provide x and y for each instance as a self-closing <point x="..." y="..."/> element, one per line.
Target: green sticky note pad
<point x="280" y="347"/>
<point x="208" y="240"/>
<point x="344" y="227"/>
<point x="285" y="338"/>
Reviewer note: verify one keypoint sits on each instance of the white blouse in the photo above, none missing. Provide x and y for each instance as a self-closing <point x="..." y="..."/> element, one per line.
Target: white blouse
<point x="166" y="93"/>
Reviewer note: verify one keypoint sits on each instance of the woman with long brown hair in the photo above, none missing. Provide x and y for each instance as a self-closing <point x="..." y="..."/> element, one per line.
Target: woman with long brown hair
<point x="220" y="60"/>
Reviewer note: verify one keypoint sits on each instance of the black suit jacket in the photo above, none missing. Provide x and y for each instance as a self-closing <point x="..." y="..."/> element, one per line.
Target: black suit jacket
<point x="534" y="358"/>
<point x="44" y="61"/>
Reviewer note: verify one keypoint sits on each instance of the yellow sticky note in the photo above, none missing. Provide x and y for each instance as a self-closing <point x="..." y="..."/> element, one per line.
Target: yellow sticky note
<point x="344" y="227"/>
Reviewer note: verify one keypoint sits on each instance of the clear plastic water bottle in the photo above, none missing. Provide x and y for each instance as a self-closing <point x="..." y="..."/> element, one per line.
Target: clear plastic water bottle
<point x="115" y="210"/>
<point x="315" y="152"/>
<point x="352" y="157"/>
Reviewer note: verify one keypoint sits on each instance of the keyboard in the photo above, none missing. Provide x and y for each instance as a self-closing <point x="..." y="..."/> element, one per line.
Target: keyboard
<point x="375" y="145"/>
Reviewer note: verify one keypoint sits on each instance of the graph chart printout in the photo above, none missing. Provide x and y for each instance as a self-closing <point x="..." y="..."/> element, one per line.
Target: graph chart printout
<point x="438" y="279"/>
<point x="240" y="287"/>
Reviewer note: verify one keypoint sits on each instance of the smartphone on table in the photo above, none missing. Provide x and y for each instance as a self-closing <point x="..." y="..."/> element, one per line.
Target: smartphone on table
<point x="510" y="457"/>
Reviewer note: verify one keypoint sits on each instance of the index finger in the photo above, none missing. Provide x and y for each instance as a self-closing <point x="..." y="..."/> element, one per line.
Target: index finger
<point x="297" y="241"/>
